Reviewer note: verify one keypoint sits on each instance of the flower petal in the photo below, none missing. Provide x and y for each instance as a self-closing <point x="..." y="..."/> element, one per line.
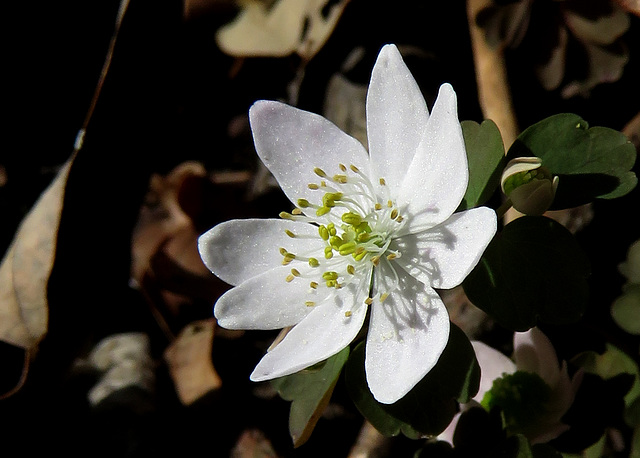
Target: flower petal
<point x="493" y="365"/>
<point x="323" y="333"/>
<point x="444" y="255"/>
<point x="292" y="142"/>
<point x="397" y="117"/>
<point x="438" y="175"/>
<point x="239" y="249"/>
<point x="534" y="352"/>
<point x="268" y="301"/>
<point x="407" y="334"/>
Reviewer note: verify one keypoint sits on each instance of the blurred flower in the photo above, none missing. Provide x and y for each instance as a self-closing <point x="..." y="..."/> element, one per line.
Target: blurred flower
<point x="529" y="185"/>
<point x="512" y="386"/>
<point x="379" y="234"/>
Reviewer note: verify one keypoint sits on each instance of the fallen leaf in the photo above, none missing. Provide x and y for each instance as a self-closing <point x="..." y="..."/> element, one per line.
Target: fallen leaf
<point x="286" y="27"/>
<point x="189" y="361"/>
<point x="26" y="267"/>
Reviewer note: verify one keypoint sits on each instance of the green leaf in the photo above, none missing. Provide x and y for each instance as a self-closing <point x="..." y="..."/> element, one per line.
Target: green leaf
<point x="309" y="392"/>
<point x="485" y="153"/>
<point x="626" y="309"/>
<point x="591" y="162"/>
<point x="612" y="363"/>
<point x="429" y="407"/>
<point x="532" y="271"/>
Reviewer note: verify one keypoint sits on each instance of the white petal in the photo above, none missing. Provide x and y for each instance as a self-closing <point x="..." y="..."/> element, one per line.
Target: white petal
<point x="268" y="301"/>
<point x="407" y="334"/>
<point x="292" y="142"/>
<point x="534" y="352"/>
<point x="239" y="249"/>
<point x="323" y="333"/>
<point x="438" y="175"/>
<point x="444" y="255"/>
<point x="493" y="365"/>
<point x="397" y="117"/>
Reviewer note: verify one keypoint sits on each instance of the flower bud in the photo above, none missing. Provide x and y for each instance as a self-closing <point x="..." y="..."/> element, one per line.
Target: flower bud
<point x="529" y="185"/>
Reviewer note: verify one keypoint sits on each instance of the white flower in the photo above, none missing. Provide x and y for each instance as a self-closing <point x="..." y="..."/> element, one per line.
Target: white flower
<point x="371" y="231"/>
<point x="532" y="352"/>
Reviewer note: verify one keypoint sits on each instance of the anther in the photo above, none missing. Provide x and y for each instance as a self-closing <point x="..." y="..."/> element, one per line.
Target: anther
<point x="303" y="203"/>
<point x="324" y="232"/>
<point x="368" y="301"/>
<point x="322" y="211"/>
<point x="330" y="275"/>
<point x="342" y="179"/>
<point x="394" y="213"/>
<point x="347" y="313"/>
<point x="399" y="219"/>
<point x="347" y="248"/>
<point x="375" y="260"/>
<point x="309" y="303"/>
<point x="328" y="252"/>
<point x="289" y="278"/>
<point x="383" y="297"/>
<point x="295" y="272"/>
<point x="382" y="182"/>
<point x="351" y="269"/>
<point x="313" y="284"/>
<point x="313" y="262"/>
<point x="318" y="171"/>
<point x="342" y="167"/>
<point x="391" y="256"/>
<point x="290" y="234"/>
<point x="377" y="206"/>
<point x="389" y="204"/>
<point x="283" y="252"/>
<point x="285" y="215"/>
<point x="354" y="168"/>
<point x="352" y="218"/>
<point x="296" y="211"/>
<point x="313" y="186"/>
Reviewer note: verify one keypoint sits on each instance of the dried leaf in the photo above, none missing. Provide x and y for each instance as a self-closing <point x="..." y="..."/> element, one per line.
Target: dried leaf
<point x="26" y="267"/>
<point x="288" y="26"/>
<point x="632" y="6"/>
<point x="189" y="361"/>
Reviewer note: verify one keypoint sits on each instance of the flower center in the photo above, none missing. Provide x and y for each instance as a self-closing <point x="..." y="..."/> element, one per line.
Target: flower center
<point x="356" y="224"/>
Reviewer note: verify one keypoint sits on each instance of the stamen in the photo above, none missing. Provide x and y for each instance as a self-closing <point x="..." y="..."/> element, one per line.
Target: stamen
<point x="347" y="313"/>
<point x="342" y="167"/>
<point x="318" y="171"/>
<point x="303" y="203"/>
<point x="391" y="256"/>
<point x="375" y="260"/>
<point x="389" y="204"/>
<point x="354" y="168"/>
<point x="382" y="181"/>
<point x="368" y="301"/>
<point x="296" y="211"/>
<point x="289" y="278"/>
<point x="295" y="272"/>
<point x="394" y="213"/>
<point x="313" y="284"/>
<point x="309" y="303"/>
<point x="290" y="234"/>
<point x="313" y="186"/>
<point x="313" y="262"/>
<point x="383" y="297"/>
<point x="351" y="269"/>
<point x="377" y="206"/>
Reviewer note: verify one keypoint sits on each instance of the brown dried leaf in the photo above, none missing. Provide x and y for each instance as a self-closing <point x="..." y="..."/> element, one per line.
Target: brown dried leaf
<point x="632" y="6"/>
<point x="189" y="361"/>
<point x="26" y="267"/>
<point x="286" y="27"/>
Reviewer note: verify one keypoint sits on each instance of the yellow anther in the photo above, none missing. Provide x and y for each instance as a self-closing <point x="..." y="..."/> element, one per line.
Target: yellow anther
<point x="382" y="181"/>
<point x="283" y="252"/>
<point x="285" y="215"/>
<point x="330" y="198"/>
<point x="342" y="179"/>
<point x="289" y="278"/>
<point x="391" y="256"/>
<point x="351" y="269"/>
<point x="342" y="167"/>
<point x="389" y="204"/>
<point x="332" y="229"/>
<point x="313" y="186"/>
<point x="335" y="242"/>
<point x="399" y="219"/>
<point x="375" y="260"/>
<point x="331" y="283"/>
<point x="351" y="218"/>
<point x="368" y="301"/>
<point x="290" y="234"/>
<point x="313" y="284"/>
<point x="295" y="272"/>
<point x="347" y="248"/>
<point x="394" y="213"/>
<point x="309" y="303"/>
<point x="313" y="262"/>
<point x="330" y="275"/>
<point x="354" y="168"/>
<point x="338" y="285"/>
<point x="303" y="203"/>
<point x="377" y="206"/>
<point x="322" y="211"/>
<point x="359" y="254"/>
<point x="296" y="211"/>
<point x="288" y="258"/>
<point x="324" y="232"/>
<point x="318" y="171"/>
<point x="323" y="184"/>
<point x="328" y="252"/>
<point x="363" y="237"/>
<point x="347" y="313"/>
<point x="383" y="297"/>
